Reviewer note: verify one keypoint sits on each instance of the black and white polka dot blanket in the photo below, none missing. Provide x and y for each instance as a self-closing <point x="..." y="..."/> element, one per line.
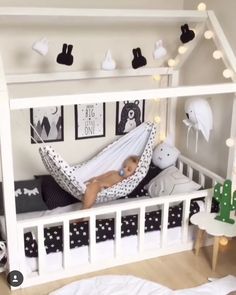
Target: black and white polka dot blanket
<point x="105" y="230"/>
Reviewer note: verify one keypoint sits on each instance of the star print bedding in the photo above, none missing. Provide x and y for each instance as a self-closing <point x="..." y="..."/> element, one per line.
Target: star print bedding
<point x="105" y="230"/>
<point x="79" y="233"/>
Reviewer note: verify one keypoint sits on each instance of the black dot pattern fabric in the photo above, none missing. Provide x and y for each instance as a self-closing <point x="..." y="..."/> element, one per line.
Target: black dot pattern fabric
<point x="105" y="230"/>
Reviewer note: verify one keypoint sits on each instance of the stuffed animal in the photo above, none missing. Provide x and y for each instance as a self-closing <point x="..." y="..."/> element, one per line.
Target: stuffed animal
<point x="130" y="117"/>
<point x="199" y="117"/>
<point x="165" y="155"/>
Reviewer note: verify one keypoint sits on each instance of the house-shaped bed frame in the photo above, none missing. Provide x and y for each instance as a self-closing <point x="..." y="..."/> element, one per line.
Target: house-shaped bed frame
<point x="15" y="229"/>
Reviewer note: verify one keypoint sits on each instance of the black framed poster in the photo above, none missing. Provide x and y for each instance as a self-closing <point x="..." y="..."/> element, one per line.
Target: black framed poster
<point x="48" y="122"/>
<point x="89" y="120"/>
<point x="129" y="114"/>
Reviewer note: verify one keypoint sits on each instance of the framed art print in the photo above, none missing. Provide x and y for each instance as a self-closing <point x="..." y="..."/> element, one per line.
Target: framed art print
<point x="129" y="114"/>
<point x="89" y="120"/>
<point x="48" y="123"/>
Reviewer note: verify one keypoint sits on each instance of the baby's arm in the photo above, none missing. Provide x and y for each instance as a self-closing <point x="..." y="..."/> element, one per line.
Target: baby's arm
<point x="102" y="176"/>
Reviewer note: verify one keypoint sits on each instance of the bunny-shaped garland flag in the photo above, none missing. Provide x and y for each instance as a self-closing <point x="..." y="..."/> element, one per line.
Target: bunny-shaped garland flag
<point x="108" y="63"/>
<point x="139" y="60"/>
<point x="187" y="34"/>
<point x="159" y="51"/>
<point x="41" y="46"/>
<point x="65" y="57"/>
<point x="199" y="117"/>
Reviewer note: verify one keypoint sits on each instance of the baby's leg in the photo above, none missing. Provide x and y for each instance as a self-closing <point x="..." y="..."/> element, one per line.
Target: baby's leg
<point x="91" y="192"/>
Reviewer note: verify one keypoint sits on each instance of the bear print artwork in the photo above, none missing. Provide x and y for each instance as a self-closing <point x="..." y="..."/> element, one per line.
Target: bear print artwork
<point x="129" y="114"/>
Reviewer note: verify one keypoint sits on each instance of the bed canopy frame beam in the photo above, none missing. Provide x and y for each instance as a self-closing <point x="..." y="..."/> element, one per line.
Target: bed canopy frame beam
<point x="51" y="14"/>
<point x="83" y="75"/>
<point x="182" y="91"/>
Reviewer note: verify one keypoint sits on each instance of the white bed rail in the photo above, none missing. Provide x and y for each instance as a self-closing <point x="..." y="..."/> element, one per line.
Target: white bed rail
<point x="117" y="210"/>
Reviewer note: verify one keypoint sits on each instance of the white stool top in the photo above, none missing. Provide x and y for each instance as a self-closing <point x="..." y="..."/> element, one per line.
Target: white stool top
<point x="206" y="221"/>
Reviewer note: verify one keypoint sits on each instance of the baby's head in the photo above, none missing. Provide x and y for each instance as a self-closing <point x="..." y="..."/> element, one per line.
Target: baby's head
<point x="129" y="165"/>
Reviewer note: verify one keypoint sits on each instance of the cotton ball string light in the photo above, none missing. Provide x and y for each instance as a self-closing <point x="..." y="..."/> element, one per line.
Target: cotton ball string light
<point x="217" y="54"/>
<point x="157" y="119"/>
<point x="201" y="6"/>
<point x="230" y="142"/>
<point x="171" y="62"/>
<point x="208" y="34"/>
<point x="224" y="241"/>
<point x="156" y="77"/>
<point x="227" y="73"/>
<point x="182" y="49"/>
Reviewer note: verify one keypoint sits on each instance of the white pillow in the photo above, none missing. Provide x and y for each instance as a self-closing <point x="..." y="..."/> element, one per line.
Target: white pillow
<point x="171" y="181"/>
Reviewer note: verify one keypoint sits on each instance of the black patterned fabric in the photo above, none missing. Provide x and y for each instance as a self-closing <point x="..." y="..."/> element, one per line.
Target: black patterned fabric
<point x="53" y="195"/>
<point x="79" y="232"/>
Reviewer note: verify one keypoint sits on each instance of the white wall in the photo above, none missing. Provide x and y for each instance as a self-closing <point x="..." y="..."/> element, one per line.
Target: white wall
<point x="90" y="43"/>
<point x="146" y="4"/>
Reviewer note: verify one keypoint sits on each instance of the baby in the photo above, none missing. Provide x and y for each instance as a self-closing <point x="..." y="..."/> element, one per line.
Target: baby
<point x="108" y="179"/>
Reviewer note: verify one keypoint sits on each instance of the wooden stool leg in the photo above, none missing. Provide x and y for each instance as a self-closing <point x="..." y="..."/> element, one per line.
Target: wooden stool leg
<point x="215" y="252"/>
<point x="198" y="243"/>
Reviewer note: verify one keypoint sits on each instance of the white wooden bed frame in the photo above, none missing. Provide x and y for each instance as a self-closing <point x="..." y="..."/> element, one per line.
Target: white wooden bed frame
<point x="15" y="229"/>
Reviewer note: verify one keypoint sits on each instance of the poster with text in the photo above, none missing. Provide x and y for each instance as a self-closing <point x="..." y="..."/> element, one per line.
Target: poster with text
<point x="89" y="120"/>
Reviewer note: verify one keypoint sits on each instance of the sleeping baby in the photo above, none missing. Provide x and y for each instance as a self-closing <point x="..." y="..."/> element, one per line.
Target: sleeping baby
<point x="108" y="179"/>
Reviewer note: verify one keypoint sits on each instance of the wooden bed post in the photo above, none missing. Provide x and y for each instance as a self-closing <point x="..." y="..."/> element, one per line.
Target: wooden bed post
<point x="8" y="174"/>
<point x="231" y="171"/>
<point x="171" y="106"/>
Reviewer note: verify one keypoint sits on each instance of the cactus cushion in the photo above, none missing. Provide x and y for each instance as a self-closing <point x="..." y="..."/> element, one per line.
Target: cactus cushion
<point x="227" y="201"/>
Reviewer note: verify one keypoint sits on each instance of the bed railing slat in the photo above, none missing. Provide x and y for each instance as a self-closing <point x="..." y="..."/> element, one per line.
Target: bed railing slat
<point x="202" y="180"/>
<point x="66" y="244"/>
<point x="141" y="225"/>
<point x="118" y="234"/>
<point x="164" y="224"/>
<point x="41" y="250"/>
<point x="208" y="201"/>
<point x="185" y="220"/>
<point x="180" y="166"/>
<point x="92" y="237"/>
<point x="190" y="172"/>
<point x="21" y="247"/>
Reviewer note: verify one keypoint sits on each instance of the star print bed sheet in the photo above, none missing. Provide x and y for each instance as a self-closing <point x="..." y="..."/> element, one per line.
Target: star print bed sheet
<point x="105" y="230"/>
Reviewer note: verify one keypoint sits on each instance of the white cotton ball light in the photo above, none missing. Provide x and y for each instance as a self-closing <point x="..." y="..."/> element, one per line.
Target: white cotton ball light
<point x="217" y="54"/>
<point x="227" y="73"/>
<point x="171" y="62"/>
<point x="208" y="34"/>
<point x="156" y="77"/>
<point x="230" y="142"/>
<point x="201" y="6"/>
<point x="224" y="241"/>
<point x="182" y="49"/>
<point x="157" y="119"/>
